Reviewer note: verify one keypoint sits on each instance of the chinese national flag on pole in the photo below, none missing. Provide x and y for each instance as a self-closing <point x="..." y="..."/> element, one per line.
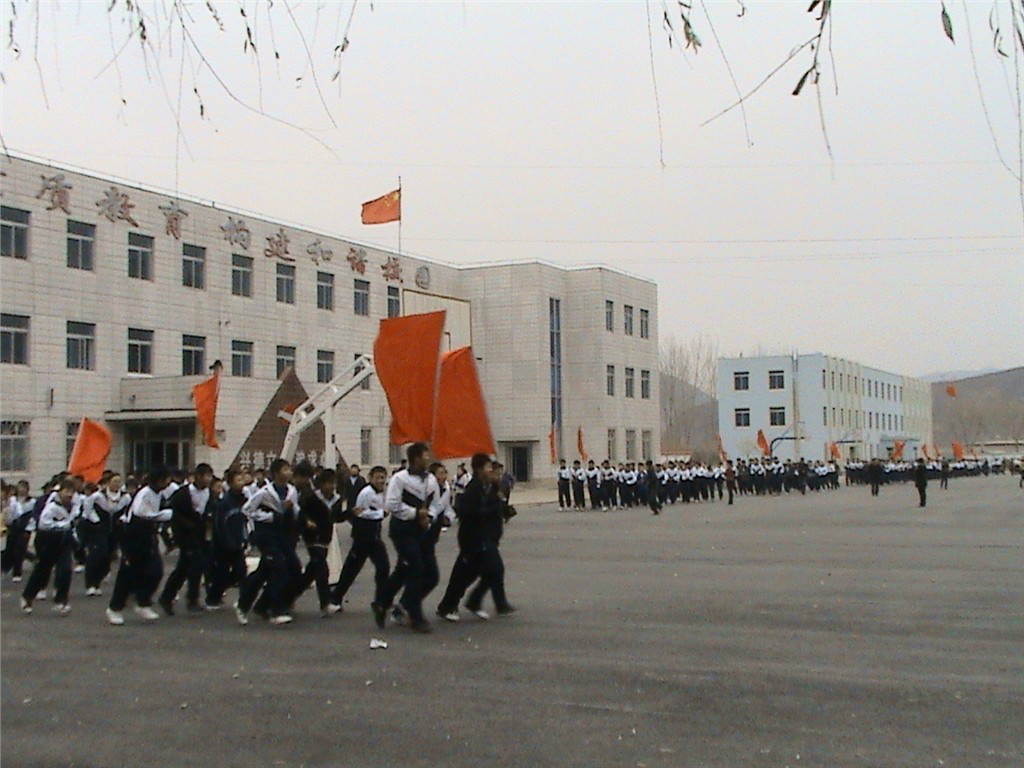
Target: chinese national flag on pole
<point x="204" y="396"/>
<point x="92" y="447"/>
<point x="762" y="443"/>
<point x="383" y="209"/>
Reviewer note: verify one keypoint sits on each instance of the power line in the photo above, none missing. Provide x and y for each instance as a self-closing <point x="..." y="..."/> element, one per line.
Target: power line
<point x="713" y="241"/>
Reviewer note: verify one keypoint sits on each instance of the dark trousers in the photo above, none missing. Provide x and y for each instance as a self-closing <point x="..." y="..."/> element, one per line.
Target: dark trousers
<point x="141" y="566"/>
<point x="54" y="550"/>
<point x="362" y="549"/>
<point x="922" y="493"/>
<point x="944" y="482"/>
<point x="577" y="495"/>
<point x="730" y="486"/>
<point x="491" y="569"/>
<point x="595" y="495"/>
<point x="406" y="535"/>
<point x="227" y="569"/>
<point x="191" y="566"/>
<point x="17" y="546"/>
<point x="279" y="567"/>
<point x="611" y="494"/>
<point x="874" y="487"/>
<point x="564" y="499"/>
<point x="96" y="538"/>
<point x="431" y="571"/>
<point x="317" y="572"/>
<point x="464" y="573"/>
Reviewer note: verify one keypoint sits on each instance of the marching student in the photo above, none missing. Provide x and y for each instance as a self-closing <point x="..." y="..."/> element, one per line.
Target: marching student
<point x="441" y="516"/>
<point x="564" y="480"/>
<point x="594" y="484"/>
<point x="579" y="479"/>
<point x="921" y="481"/>
<point x="468" y="511"/>
<point x="320" y="506"/>
<point x="258" y="480"/>
<point x="107" y="503"/>
<point x="229" y="539"/>
<point x="630" y="479"/>
<point x="653" y="489"/>
<point x="19" y="513"/>
<point x="354" y="484"/>
<point x="273" y="509"/>
<point x="366" y="518"/>
<point x="462" y="478"/>
<point x="54" y="548"/>
<point x="609" y="484"/>
<point x="408" y="500"/>
<point x="141" y="566"/>
<point x="730" y="479"/>
<point x="491" y="568"/>
<point x="189" y="511"/>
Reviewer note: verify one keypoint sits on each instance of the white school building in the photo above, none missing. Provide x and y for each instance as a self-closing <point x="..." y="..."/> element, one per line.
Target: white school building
<point x="117" y="298"/>
<point x="805" y="402"/>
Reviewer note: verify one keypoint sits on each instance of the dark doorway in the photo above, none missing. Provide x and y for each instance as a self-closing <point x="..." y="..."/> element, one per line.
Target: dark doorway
<point x="519" y="459"/>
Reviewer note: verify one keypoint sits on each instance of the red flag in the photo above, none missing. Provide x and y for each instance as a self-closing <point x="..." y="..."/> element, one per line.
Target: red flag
<point x="383" y="209"/>
<point x="462" y="427"/>
<point x="834" y="452"/>
<point x="204" y="395"/>
<point x="951" y="390"/>
<point x="938" y="451"/>
<point x="92" y="447"/>
<point x="722" y="455"/>
<point x="762" y="442"/>
<point x="551" y="442"/>
<point x="958" y="451"/>
<point x="406" y="357"/>
<point x="974" y="453"/>
<point x="924" y="450"/>
<point x="897" y="450"/>
<point x="579" y="445"/>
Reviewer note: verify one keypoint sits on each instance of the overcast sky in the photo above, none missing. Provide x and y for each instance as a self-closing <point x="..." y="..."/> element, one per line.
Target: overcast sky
<point x="531" y="131"/>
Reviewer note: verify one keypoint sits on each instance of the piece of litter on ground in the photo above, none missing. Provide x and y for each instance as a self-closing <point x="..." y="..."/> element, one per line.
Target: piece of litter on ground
<point x="375" y="643"/>
<point x="184" y="705"/>
<point x="234" y="676"/>
<point x="369" y="682"/>
<point x="27" y="701"/>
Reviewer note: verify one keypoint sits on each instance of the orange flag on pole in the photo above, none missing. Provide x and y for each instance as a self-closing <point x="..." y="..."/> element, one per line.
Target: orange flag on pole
<point x="924" y="450"/>
<point x="462" y="427"/>
<point x="579" y="445"/>
<point x="204" y="395"/>
<point x="383" y="209"/>
<point x="722" y="455"/>
<point x="762" y="442"/>
<point x="897" y="449"/>
<point x="958" y="451"/>
<point x="834" y="452"/>
<point x="951" y="390"/>
<point x="92" y="447"/>
<point x="551" y="443"/>
<point x="406" y="357"/>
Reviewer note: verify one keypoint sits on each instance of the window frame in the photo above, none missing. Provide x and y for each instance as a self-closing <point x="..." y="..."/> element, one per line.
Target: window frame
<point x="285" y="352"/>
<point x="609" y="380"/>
<point x="14" y="338"/>
<point x="645" y="323"/>
<point x="84" y="245"/>
<point x="85" y="344"/>
<point x="772" y="375"/>
<point x="285" y="283"/>
<point x="774" y="412"/>
<point x="609" y="315"/>
<point x="325" y="291"/>
<point x="394" y="301"/>
<point x="324" y="358"/>
<point x="741" y="412"/>
<point x="143" y="348"/>
<point x="13" y="232"/>
<point x="193" y="266"/>
<point x="629" y="387"/>
<point x="361" y="290"/>
<point x="243" y="358"/>
<point x="141" y="256"/>
<point x="737" y="376"/>
<point x="242" y="271"/>
<point x="15" y="444"/>
<point x="645" y="384"/>
<point x="191" y="345"/>
<point x="627" y="319"/>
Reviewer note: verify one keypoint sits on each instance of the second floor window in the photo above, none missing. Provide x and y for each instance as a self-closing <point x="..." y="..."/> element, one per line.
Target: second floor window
<point x="627" y="319"/>
<point x="645" y="324"/>
<point x="241" y="275"/>
<point x="325" y="291"/>
<point x="285" y="359"/>
<point x="741" y="417"/>
<point x="630" y="373"/>
<point x="286" y="283"/>
<point x="14" y="339"/>
<point x="609" y="315"/>
<point x="741" y="380"/>
<point x="777" y="417"/>
<point x="394" y="302"/>
<point x="609" y="378"/>
<point x="140" y="351"/>
<point x="193" y="266"/>
<point x="81" y="239"/>
<point x="645" y="385"/>
<point x="776" y="380"/>
<point x="241" y="359"/>
<point x="193" y="355"/>
<point x="361" y="298"/>
<point x="324" y="366"/>
<point x="140" y="256"/>
<point x="81" y="346"/>
<point x="14" y="232"/>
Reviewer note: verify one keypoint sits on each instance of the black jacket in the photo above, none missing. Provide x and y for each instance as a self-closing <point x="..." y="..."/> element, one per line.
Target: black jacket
<point x="920" y="475"/>
<point x="350" y="490"/>
<point x="229" y="524"/>
<point x="187" y="525"/>
<point x="316" y="519"/>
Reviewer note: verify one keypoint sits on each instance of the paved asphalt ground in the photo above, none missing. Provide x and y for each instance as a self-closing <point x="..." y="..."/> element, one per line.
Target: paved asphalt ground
<point x="828" y="630"/>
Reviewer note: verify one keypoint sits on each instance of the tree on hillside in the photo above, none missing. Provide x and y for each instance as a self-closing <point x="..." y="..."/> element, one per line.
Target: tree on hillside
<point x="688" y="372"/>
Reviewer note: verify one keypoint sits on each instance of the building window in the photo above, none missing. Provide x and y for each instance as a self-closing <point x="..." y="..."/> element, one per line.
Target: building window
<point x="325" y="291"/>
<point x="630" y="382"/>
<point x="361" y="297"/>
<point x="81" y="240"/>
<point x="70" y="436"/>
<point x="193" y="266"/>
<point x="140" y="256"/>
<point x="365" y="383"/>
<point x="627" y="319"/>
<point x="193" y="355"/>
<point x="609" y="380"/>
<point x="777" y="417"/>
<point x="81" y="346"/>
<point x="14" y="233"/>
<point x="555" y="350"/>
<point x="14" y="444"/>
<point x="741" y="417"/>
<point x="824" y="416"/>
<point x="645" y="445"/>
<point x="140" y="351"/>
<point x="834" y="422"/>
<point x="394" y="302"/>
<point x="823" y="378"/>
<point x="609" y="315"/>
<point x="241" y="359"/>
<point x="324" y="366"/>
<point x="241" y="275"/>
<point x="630" y="445"/>
<point x="645" y="385"/>
<point x="612" y="440"/>
<point x="14" y="339"/>
<point x="645" y="324"/>
<point x="286" y="283"/>
<point x="285" y="359"/>
<point x="871" y="420"/>
<point x="842" y="415"/>
<point x="776" y="380"/>
<point x="394" y="455"/>
<point x="741" y="380"/>
<point x="365" y="439"/>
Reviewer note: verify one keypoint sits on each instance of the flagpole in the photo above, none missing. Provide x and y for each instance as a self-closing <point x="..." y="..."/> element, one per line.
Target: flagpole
<point x="399" y="215"/>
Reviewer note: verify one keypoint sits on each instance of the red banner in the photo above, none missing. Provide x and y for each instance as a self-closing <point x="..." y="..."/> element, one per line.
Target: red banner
<point x="205" y="395"/>
<point x="462" y="427"/>
<point x="92" y="447"/>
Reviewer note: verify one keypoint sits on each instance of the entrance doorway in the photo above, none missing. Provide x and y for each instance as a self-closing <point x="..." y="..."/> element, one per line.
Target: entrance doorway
<point x="518" y="460"/>
<point x="160" y="443"/>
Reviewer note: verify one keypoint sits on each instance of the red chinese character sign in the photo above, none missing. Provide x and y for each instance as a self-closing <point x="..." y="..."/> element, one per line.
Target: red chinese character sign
<point x="115" y="206"/>
<point x="392" y="269"/>
<point x="236" y="232"/>
<point x="173" y="213"/>
<point x="357" y="260"/>
<point x="277" y="246"/>
<point x="57" y="190"/>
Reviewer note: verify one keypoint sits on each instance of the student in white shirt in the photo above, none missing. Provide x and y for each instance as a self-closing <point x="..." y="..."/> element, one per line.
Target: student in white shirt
<point x="54" y="548"/>
<point x="19" y="513"/>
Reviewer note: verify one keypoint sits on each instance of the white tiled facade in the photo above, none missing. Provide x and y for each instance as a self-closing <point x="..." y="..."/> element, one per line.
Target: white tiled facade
<point x="504" y="310"/>
<point x="819" y="400"/>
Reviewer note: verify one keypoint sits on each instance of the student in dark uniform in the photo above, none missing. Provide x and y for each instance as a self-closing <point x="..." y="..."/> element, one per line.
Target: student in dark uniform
<point x="189" y="506"/>
<point x="564" y="483"/>
<point x="54" y="548"/>
<point x="229" y="539"/>
<point x="944" y="475"/>
<point x="579" y="479"/>
<point x="653" y="489"/>
<point x="107" y="503"/>
<point x="730" y="479"/>
<point x="366" y="517"/>
<point x="875" y="475"/>
<point x="354" y="483"/>
<point x="495" y="512"/>
<point x="320" y="505"/>
<point x="594" y="484"/>
<point x="921" y="480"/>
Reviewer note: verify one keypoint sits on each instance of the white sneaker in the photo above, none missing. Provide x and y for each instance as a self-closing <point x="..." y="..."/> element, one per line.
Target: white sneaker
<point x="115" y="618"/>
<point x="94" y="592"/>
<point x="214" y="606"/>
<point x="26" y="606"/>
<point x="147" y="613"/>
<point x="41" y="595"/>
<point x="79" y="568"/>
<point x="62" y="608"/>
<point x="284" y="618"/>
<point x="242" y="617"/>
<point x="452" y="616"/>
<point x="331" y="608"/>
<point x="16" y="579"/>
<point x="482" y="615"/>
